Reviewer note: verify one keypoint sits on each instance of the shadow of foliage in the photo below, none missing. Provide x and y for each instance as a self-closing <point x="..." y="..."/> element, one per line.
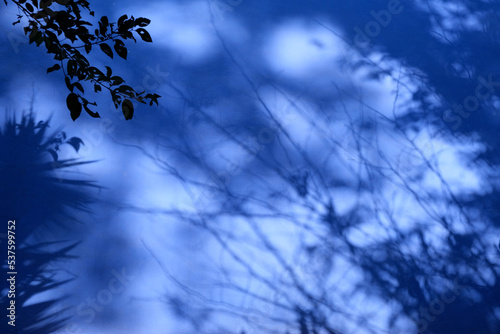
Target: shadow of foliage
<point x="382" y="239"/>
<point x="43" y="202"/>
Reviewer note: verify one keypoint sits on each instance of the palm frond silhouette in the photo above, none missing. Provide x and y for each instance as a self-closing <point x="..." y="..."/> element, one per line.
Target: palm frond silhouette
<point x="43" y="202"/>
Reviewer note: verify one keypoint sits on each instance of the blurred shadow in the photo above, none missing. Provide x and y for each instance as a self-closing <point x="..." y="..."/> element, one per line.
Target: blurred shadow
<point x="412" y="250"/>
<point x="41" y="204"/>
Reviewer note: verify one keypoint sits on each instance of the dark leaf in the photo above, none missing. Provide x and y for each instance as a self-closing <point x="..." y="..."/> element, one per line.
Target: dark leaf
<point x="75" y="142"/>
<point x="106" y="49"/>
<point x="48" y="43"/>
<point x="53" y="153"/>
<point x="51" y="35"/>
<point x="121" y="19"/>
<point x="126" y="25"/>
<point x="108" y="71"/>
<point x="79" y="86"/>
<point x="144" y="35"/>
<point x="74" y="106"/>
<point x="128" y="34"/>
<point x="97" y="88"/>
<point x="154" y="99"/>
<point x="128" y="109"/>
<point x="54" y="68"/>
<point x="36" y="36"/>
<point x="117" y="80"/>
<point x="103" y="25"/>
<point x="39" y="39"/>
<point x="94" y="71"/>
<point x="91" y="113"/>
<point x="72" y="67"/>
<point x="116" y="99"/>
<point x="30" y="8"/>
<point x="120" y="48"/>
<point x="88" y="47"/>
<point x="102" y="30"/>
<point x="142" y="22"/>
<point x="125" y="88"/>
<point x="68" y="83"/>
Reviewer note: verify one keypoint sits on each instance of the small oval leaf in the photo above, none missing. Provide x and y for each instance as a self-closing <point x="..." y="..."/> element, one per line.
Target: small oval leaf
<point x="144" y="35"/>
<point x="142" y="22"/>
<point x="67" y="81"/>
<point x="109" y="71"/>
<point x="120" y="49"/>
<point x="116" y="80"/>
<point x="54" y="68"/>
<point x="128" y="109"/>
<point x="106" y="49"/>
<point x="30" y="8"/>
<point x="125" y="89"/>
<point x="74" y="106"/>
<point x="79" y="86"/>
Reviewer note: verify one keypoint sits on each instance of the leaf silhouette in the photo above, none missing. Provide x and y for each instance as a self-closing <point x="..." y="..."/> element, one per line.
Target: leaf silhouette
<point x="106" y="49"/>
<point x="74" y="106"/>
<point x="128" y="109"/>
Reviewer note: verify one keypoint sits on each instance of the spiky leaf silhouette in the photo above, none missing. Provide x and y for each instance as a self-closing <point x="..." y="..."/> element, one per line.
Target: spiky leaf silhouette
<point x="36" y="193"/>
